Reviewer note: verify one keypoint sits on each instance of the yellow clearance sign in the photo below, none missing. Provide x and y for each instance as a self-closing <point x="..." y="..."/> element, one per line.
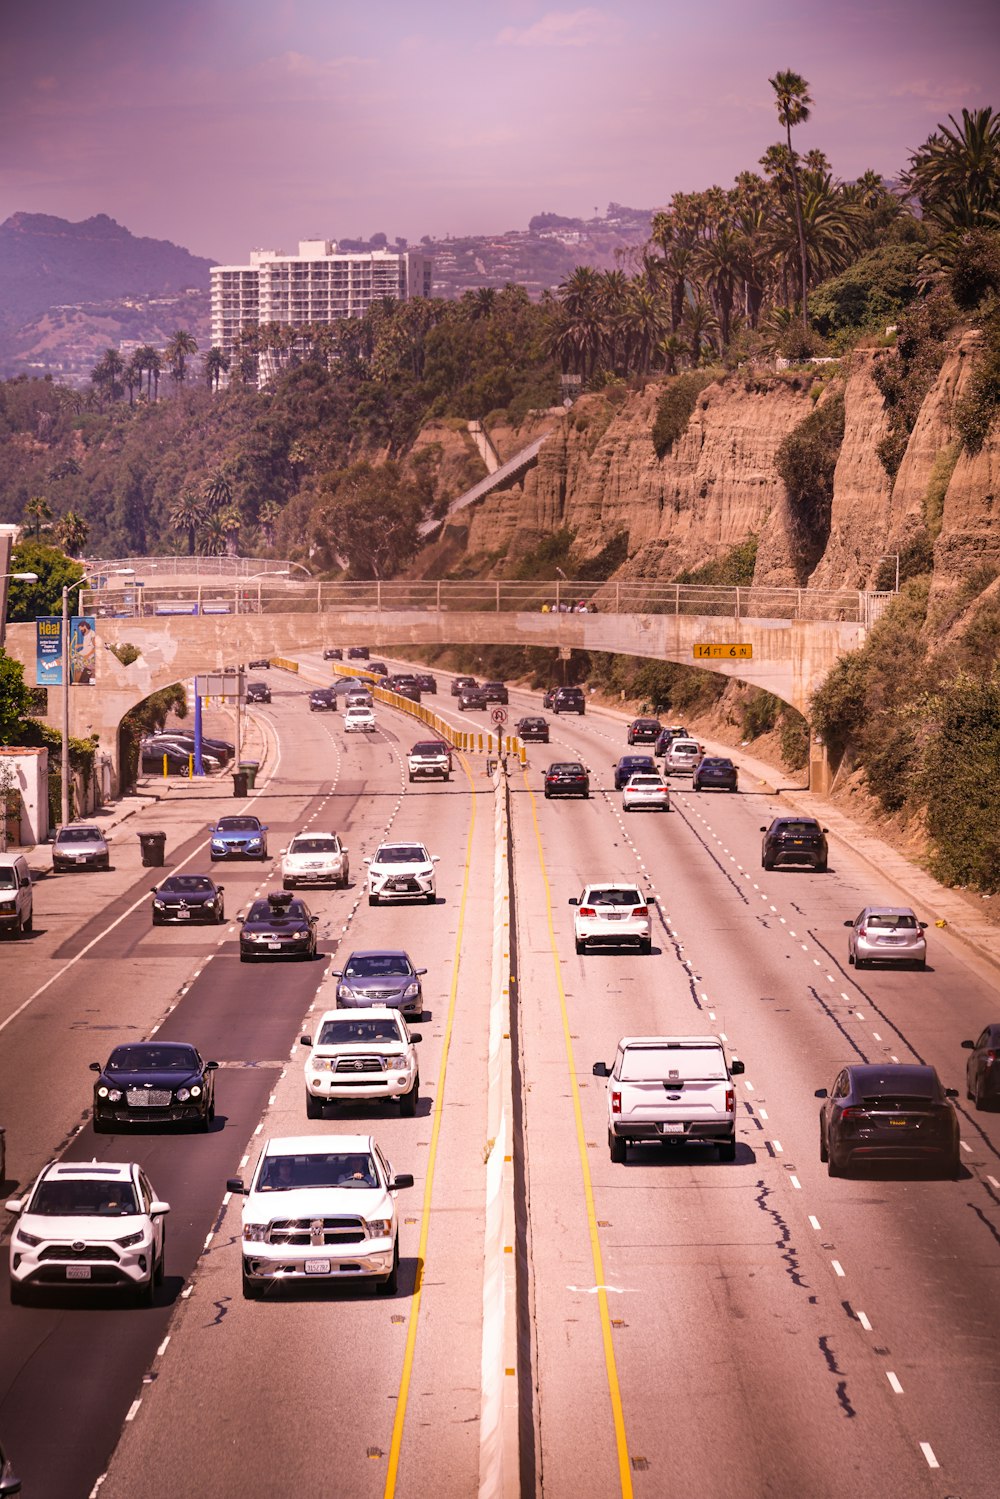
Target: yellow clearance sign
<point x="723" y="652"/>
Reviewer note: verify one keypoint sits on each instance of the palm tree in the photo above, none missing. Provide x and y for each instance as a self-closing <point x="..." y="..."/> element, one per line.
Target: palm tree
<point x="37" y="510"/>
<point x="956" y="172"/>
<point x="699" y="325"/>
<point x="672" y="349"/>
<point x="792" y="94"/>
<point x="72" y="532"/>
<point x="218" y="491"/>
<point x="212" y="537"/>
<point x="216" y="365"/>
<point x="230" y="520"/>
<point x="149" y="360"/>
<point x="107" y="375"/>
<point x="267" y="515"/>
<point x="186" y="514"/>
<point x="133" y="377"/>
<point x="180" y="346"/>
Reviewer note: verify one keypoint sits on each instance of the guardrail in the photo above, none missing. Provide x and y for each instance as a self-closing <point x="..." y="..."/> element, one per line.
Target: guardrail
<point x="182" y="566"/>
<point x="564" y="596"/>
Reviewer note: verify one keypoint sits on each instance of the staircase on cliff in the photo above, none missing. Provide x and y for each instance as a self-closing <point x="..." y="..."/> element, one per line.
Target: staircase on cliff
<point x="501" y="476"/>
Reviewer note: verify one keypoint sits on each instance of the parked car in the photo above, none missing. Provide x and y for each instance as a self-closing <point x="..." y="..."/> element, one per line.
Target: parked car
<point x="320" y="1208"/>
<point x="495" y="692"/>
<point x="982" y="1070"/>
<point x="888" y="1112"/>
<point x="645" y="792"/>
<point x="381" y="976"/>
<point x="364" y="1056"/>
<point x="258" y="692"/>
<point x="631" y="765"/>
<point x="429" y="758"/>
<point x="188" y="897"/>
<point x="532" y="730"/>
<point x="400" y="870"/>
<point x="569" y="700"/>
<point x="886" y="934"/>
<point x="239" y="837"/>
<point x="80" y="845"/>
<point x="671" y="1090"/>
<point x="154" y="1082"/>
<point x="179" y="752"/>
<point x="220" y="749"/>
<point x="459" y="685"/>
<point x="666" y="736"/>
<point x="95" y="1224"/>
<point x="644" y="730"/>
<point x="681" y="757"/>
<point x="16" y="900"/>
<point x="314" y="858"/>
<point x="716" y="773"/>
<point x="567" y="778"/>
<point x="612" y="912"/>
<point x="794" y="840"/>
<point x="333" y="653"/>
<point x="472" y="697"/>
<point x="323" y="700"/>
<point x="280" y="926"/>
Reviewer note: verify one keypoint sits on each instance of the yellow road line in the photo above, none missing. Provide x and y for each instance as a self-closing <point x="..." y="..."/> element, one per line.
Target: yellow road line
<point x="411" y="1334"/>
<point x="614" y="1391"/>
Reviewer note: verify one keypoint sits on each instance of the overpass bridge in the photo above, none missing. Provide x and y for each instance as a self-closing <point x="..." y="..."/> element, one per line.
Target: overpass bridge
<point x="784" y="640"/>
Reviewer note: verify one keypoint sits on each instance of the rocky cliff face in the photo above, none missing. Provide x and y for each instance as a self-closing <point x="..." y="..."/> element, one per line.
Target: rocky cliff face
<point x="599" y="475"/>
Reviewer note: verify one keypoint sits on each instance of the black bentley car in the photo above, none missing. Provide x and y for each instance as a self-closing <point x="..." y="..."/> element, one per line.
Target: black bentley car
<point x="188" y="897"/>
<point x="154" y="1082"/>
<point x="282" y="926"/>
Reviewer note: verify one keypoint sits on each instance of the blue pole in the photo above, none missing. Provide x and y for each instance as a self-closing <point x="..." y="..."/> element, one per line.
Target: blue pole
<point x="199" y="768"/>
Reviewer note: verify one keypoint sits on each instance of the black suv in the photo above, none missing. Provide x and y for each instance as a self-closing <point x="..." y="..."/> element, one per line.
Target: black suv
<point x="258" y="692"/>
<point x="794" y="840"/>
<point x="495" y="692"/>
<point x="569" y="700"/>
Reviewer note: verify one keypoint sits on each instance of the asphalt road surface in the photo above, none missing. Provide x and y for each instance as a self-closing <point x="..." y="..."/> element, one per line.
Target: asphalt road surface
<point x="697" y="1329"/>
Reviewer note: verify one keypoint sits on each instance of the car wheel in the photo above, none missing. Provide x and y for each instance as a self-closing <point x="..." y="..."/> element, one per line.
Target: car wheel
<point x="767" y="863"/>
<point x="548" y="796"/>
<point x="727" y="1149"/>
<point x="835" y="1166"/>
<point x="618" y="1146"/>
<point x="287" y="884"/>
<point x="860" y="962"/>
<point x="211" y="1112"/>
<point x="953" y="1167"/>
<point x="824" y="1157"/>
<point x="158" y="1267"/>
<point x="390" y="1285"/>
<point x="18" y="1294"/>
<point x="29" y="925"/>
<point x="408" y="1102"/>
<point x="101" y="1126"/>
<point x="850" y="958"/>
<point x="145" y="1293"/>
<point x="252" y="1289"/>
<point x="821" y="868"/>
<point x="978" y="1099"/>
<point x="314" y="1107"/>
<point x="205" y="1122"/>
<point x="246" y="957"/>
<point x="581" y="947"/>
<point x="373" y="900"/>
<point x="695" y="785"/>
<point x="431" y="898"/>
<point x="220" y="916"/>
<point x="411" y="780"/>
<point x="646" y="946"/>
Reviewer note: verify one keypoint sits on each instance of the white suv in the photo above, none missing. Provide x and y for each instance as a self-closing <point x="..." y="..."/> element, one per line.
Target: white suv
<point x="313" y="859"/>
<point x="320" y="1207"/>
<point x="612" y="912"/>
<point x="359" y="720"/>
<point x="429" y="758"/>
<point x="88" y="1223"/>
<point x="15" y="895"/>
<point x="364" y="1054"/>
<point x="398" y="870"/>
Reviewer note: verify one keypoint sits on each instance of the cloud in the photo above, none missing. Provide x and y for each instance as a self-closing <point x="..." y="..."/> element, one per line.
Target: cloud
<point x="560" y="28"/>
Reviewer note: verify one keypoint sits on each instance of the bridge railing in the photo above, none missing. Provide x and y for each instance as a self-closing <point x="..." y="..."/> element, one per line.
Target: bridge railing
<point x="264" y="596"/>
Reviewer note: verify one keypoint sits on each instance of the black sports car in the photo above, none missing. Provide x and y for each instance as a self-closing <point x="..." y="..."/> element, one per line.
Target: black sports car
<point x="888" y="1112"/>
<point x="567" y="778"/>
<point x="188" y="897"/>
<point x="358" y="653"/>
<point x="258" y="692"/>
<point x="322" y="700"/>
<point x="154" y="1082"/>
<point x="532" y="730"/>
<point x="715" y="771"/>
<point x="495" y="692"/>
<point x="280" y="926"/>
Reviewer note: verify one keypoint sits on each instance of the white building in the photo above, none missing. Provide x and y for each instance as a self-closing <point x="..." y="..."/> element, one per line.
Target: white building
<point x="318" y="285"/>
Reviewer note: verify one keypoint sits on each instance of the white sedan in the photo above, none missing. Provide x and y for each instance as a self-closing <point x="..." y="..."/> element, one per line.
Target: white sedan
<point x="645" y="792"/>
<point x="314" y="859"/>
<point x="612" y="913"/>
<point x="397" y="871"/>
<point x="359" y="720"/>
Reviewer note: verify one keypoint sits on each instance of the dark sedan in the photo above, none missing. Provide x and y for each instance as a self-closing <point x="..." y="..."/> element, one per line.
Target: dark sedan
<point x="549" y="697"/>
<point x="567" y="778"/>
<point x="472" y="697"/>
<point x="644" y="730"/>
<point x="982" y="1070"/>
<point x="715" y="773"/>
<point x="358" y="653"/>
<point x="333" y="653"/>
<point x="281" y="926"/>
<point x="146" y="1082"/>
<point x="495" y="692"/>
<point x="258" y="692"/>
<point x="794" y="840"/>
<point x="892" y="1112"/>
<point x="188" y="897"/>
<point x="378" y="668"/>
<point x="322" y="700"/>
<point x="426" y="682"/>
<point x="665" y="736"/>
<point x="380" y="977"/>
<point x="630" y="765"/>
<point x="532" y="730"/>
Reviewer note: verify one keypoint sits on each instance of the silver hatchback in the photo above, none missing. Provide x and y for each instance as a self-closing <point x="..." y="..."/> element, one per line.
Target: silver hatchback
<point x="886" y="934"/>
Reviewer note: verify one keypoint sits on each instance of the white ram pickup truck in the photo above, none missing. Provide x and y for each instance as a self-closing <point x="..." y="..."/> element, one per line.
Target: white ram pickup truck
<point x="672" y="1090"/>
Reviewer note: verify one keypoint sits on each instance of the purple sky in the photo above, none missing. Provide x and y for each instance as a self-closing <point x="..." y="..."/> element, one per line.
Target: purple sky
<point x="226" y="125"/>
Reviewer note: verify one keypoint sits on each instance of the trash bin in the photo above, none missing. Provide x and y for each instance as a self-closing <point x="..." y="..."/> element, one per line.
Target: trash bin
<point x="250" y="769"/>
<point x="240" y="783"/>
<point x="153" y="847"/>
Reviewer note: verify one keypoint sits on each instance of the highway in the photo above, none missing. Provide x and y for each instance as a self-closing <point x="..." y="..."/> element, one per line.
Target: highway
<point x="697" y="1329"/>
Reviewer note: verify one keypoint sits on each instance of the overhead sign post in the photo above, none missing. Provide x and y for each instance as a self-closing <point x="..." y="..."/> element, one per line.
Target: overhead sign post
<point x="223" y="685"/>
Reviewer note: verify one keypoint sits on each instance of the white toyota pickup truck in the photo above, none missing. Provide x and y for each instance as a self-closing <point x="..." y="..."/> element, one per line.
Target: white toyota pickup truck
<point x="673" y="1090"/>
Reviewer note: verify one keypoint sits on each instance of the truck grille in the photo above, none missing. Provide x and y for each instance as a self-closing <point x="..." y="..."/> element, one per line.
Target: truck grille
<point x="315" y="1232"/>
<point x="361" y="1064"/>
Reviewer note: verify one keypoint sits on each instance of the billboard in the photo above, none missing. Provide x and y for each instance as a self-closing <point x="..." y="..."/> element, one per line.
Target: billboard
<point x="49" y="650"/>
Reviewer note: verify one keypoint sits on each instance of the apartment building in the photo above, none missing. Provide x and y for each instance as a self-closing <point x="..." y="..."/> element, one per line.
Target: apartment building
<point x="318" y="285"/>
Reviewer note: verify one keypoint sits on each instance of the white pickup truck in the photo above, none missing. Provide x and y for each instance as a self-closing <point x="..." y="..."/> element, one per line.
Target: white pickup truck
<point x="673" y="1090"/>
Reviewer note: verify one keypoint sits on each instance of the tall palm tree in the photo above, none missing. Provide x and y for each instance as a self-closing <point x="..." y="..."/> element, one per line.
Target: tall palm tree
<point x="133" y="377"/>
<point x="72" y="532"/>
<point x="793" y="101"/>
<point x="150" y="361"/>
<point x="956" y="172"/>
<point x="267" y="516"/>
<point x="179" y="347"/>
<point x="107" y="375"/>
<point x="186" y="514"/>
<point x="211" y="537"/>
<point x="37" y="510"/>
<point x="230" y="520"/>
<point x="218" y="491"/>
<point x="216" y="365"/>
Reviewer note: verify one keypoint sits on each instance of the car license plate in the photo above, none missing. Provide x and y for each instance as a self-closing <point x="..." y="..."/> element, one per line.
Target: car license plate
<point x="614" y="916"/>
<point x="317" y="1267"/>
<point x="274" y="947"/>
<point x="82" y="858"/>
<point x="673" y="1129"/>
<point x="183" y="915"/>
<point x="898" y="1123"/>
<point x="77" y="1272"/>
<point x="796" y="842"/>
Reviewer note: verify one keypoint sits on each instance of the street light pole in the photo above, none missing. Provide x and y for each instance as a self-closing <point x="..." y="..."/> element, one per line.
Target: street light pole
<point x="64" y="777"/>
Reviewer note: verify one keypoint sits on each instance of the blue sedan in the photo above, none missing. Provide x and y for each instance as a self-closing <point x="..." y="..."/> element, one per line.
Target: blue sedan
<point x="238" y="838"/>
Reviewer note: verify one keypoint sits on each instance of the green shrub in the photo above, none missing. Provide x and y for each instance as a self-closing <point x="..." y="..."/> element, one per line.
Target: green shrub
<point x="937" y="487"/>
<point x="794" y="739"/>
<point x="870" y="293"/>
<point x="734" y="570"/>
<point x="806" y="461"/>
<point x="976" y="410"/>
<point x="905" y="374"/>
<point x="547" y="555"/>
<point x="760" y="714"/>
<point x="675" y="407"/>
<point x="958" y="783"/>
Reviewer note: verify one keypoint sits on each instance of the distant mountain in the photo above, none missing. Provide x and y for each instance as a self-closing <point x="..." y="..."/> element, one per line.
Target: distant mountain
<point x="49" y="262"/>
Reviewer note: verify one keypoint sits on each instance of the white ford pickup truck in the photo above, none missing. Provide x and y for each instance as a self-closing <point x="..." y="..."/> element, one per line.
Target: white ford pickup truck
<point x="673" y="1090"/>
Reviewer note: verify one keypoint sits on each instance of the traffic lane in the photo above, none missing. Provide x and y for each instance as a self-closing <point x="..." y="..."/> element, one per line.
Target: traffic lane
<point x="681" y="1216"/>
<point x="310" y="1350"/>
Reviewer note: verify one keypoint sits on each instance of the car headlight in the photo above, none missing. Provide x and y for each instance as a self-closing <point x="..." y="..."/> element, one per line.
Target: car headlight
<point x="6" y="905"/>
<point x="23" y="1237"/>
<point x="102" y="1092"/>
<point x="255" y="1233"/>
<point x="114" y="1095"/>
<point x="322" y="1064"/>
<point x="159" y="905"/>
<point x="411" y="991"/>
<point x="378" y="1228"/>
<point x="131" y="1239"/>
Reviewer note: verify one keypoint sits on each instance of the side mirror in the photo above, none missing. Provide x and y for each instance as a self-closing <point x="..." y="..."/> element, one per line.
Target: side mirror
<point x="601" y="1069"/>
<point x="848" y="923"/>
<point x="951" y="1092"/>
<point x="95" y="1067"/>
<point x="421" y="972"/>
<point x="764" y="830"/>
<point x="313" y="920"/>
<point x="235" y="1185"/>
<point x="109" y="837"/>
<point x="416" y="1036"/>
<point x="211" y="1066"/>
<point x="736" y="1067"/>
<point x="400" y="1181"/>
<point x="969" y="1045"/>
<point x="922" y="925"/>
<point x="366" y="859"/>
<point x="14" y="1205"/>
<point x="284" y="850"/>
<point x="821" y="1093"/>
<point x="572" y="901"/>
<point x="435" y="858"/>
<point x="305" y="1040"/>
<point x="157" y="1208"/>
<point x="220" y="888"/>
<point x="344" y="849"/>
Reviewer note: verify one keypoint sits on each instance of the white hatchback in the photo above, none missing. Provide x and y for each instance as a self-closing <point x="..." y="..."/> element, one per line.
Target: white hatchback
<point x="359" y="720"/>
<point x="612" y="913"/>
<point x="644" y="793"/>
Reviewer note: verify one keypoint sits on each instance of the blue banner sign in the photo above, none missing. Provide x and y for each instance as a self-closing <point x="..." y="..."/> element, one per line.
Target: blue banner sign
<point x="48" y="650"/>
<point x="82" y="650"/>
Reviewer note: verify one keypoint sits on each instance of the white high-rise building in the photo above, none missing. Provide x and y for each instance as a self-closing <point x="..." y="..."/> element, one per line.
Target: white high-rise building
<point x="318" y="285"/>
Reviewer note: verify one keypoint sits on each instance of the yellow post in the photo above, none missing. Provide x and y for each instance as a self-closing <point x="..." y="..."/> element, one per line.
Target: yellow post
<point x="190" y="767"/>
<point x="164" y="765"/>
<point x="524" y="754"/>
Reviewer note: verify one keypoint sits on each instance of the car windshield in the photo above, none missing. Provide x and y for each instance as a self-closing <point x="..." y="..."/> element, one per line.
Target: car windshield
<point x="313" y="846"/>
<point x="348" y="1032"/>
<point x="262" y="910"/>
<point x="684" y="747"/>
<point x="644" y="783"/>
<point x="567" y="769"/>
<point x="187" y="884"/>
<point x="426" y="749"/>
<point x="643" y="1064"/>
<point x="141" y="1058"/>
<point x="402" y="853"/>
<point x="78" y="835"/>
<point x="285" y="1173"/>
<point x="797" y="829"/>
<point x="89" y="1197"/>
<point x="7" y="880"/>
<point x="602" y="896"/>
<point x="716" y="764"/>
<point x="892" y="920"/>
<point x="238" y="825"/>
<point x="378" y="965"/>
